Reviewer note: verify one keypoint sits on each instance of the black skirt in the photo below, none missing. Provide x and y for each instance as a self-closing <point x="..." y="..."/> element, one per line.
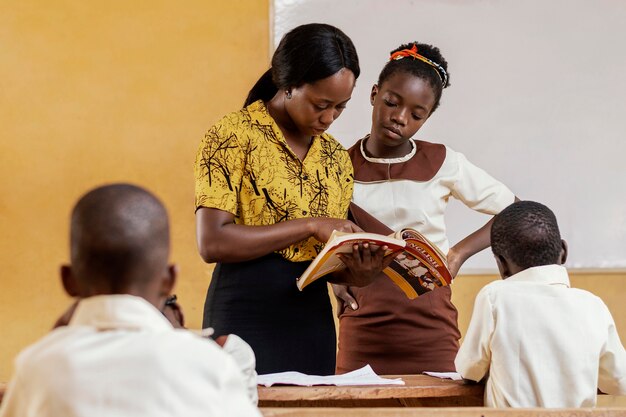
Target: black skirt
<point x="259" y="301"/>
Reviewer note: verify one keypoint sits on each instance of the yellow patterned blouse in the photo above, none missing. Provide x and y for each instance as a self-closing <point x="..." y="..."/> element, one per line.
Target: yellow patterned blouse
<point x="245" y="167"/>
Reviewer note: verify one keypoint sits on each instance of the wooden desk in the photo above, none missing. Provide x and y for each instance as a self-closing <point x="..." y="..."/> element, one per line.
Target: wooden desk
<point x="442" y="412"/>
<point x="419" y="391"/>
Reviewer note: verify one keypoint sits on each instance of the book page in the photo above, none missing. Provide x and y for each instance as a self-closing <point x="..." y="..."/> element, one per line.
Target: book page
<point x="363" y="376"/>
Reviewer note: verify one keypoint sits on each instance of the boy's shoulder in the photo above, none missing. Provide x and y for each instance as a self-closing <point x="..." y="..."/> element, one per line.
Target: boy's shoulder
<point x="187" y="340"/>
<point x="100" y="365"/>
<point x="64" y="344"/>
<point x="518" y="287"/>
<point x="50" y="346"/>
<point x="490" y="290"/>
<point x="164" y="358"/>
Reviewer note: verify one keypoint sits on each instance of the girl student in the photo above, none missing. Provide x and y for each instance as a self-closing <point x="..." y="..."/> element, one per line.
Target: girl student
<point x="407" y="183"/>
<point x="271" y="186"/>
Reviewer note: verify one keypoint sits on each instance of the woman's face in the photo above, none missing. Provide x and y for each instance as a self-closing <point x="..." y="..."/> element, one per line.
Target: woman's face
<point x="314" y="107"/>
<point x="402" y="104"/>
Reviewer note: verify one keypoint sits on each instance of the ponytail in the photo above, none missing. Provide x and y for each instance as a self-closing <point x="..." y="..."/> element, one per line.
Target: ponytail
<point x="306" y="54"/>
<point x="264" y="89"/>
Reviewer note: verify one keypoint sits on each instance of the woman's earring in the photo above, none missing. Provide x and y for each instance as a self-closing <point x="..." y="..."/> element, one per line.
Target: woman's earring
<point x="288" y="93"/>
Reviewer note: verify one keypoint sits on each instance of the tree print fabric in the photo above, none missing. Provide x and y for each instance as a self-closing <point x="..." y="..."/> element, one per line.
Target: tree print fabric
<point x="245" y="167"/>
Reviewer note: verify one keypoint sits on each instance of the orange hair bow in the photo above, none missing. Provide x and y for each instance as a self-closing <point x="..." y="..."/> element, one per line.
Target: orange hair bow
<point x="404" y="53"/>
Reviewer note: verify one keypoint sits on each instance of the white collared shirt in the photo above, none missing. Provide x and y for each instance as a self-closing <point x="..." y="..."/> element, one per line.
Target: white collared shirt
<point x="119" y="356"/>
<point x="542" y="343"/>
<point x="244" y="357"/>
<point x="421" y="205"/>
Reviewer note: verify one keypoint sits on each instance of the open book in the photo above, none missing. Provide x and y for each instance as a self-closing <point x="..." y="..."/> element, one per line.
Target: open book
<point x="418" y="268"/>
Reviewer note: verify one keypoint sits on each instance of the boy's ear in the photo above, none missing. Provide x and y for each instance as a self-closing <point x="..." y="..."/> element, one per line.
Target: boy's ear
<point x="373" y="93"/>
<point x="563" y="256"/>
<point x="503" y="266"/>
<point x="68" y="280"/>
<point x="169" y="280"/>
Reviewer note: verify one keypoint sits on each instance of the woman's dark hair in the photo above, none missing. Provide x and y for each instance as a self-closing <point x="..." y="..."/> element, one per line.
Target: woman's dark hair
<point x="304" y="55"/>
<point x="419" y="68"/>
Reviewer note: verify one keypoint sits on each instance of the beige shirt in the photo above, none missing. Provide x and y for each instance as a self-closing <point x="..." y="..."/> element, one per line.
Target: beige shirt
<point x="411" y="191"/>
<point x="119" y="356"/>
<point x="542" y="343"/>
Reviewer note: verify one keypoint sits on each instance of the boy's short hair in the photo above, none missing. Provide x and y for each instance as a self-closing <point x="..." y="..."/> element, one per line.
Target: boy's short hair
<point x="527" y="233"/>
<point x="119" y="235"/>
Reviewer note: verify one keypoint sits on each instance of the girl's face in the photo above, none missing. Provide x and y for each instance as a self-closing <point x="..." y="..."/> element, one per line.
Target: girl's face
<point x="314" y="107"/>
<point x="402" y="104"/>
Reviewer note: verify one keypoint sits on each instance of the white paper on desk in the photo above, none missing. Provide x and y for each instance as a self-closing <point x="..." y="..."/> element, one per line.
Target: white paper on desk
<point x="363" y="376"/>
<point x="455" y="376"/>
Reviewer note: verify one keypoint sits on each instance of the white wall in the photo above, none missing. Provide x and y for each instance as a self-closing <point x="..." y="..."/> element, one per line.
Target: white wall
<point x="537" y="99"/>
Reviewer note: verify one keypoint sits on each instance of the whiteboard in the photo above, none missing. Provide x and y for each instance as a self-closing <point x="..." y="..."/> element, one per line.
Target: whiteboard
<point x="537" y="100"/>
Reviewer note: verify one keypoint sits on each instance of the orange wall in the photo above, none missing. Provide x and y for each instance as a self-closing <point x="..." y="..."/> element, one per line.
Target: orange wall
<point x="95" y="92"/>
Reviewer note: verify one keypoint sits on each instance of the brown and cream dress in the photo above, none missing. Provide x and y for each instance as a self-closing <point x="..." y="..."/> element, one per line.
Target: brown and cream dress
<point x="393" y="334"/>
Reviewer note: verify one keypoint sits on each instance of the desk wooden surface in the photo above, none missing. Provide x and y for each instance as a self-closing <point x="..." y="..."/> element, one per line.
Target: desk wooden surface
<point x="442" y="412"/>
<point x="418" y="391"/>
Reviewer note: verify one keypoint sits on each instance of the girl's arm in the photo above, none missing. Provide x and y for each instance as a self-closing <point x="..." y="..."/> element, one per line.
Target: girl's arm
<point x="470" y="246"/>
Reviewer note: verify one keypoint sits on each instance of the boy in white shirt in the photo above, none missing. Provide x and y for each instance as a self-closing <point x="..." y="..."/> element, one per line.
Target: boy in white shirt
<point x="119" y="356"/>
<point x="232" y="344"/>
<point x="539" y="342"/>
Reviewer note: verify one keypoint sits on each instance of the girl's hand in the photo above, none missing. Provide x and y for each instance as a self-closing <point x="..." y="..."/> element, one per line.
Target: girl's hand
<point x="323" y="227"/>
<point x="344" y="298"/>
